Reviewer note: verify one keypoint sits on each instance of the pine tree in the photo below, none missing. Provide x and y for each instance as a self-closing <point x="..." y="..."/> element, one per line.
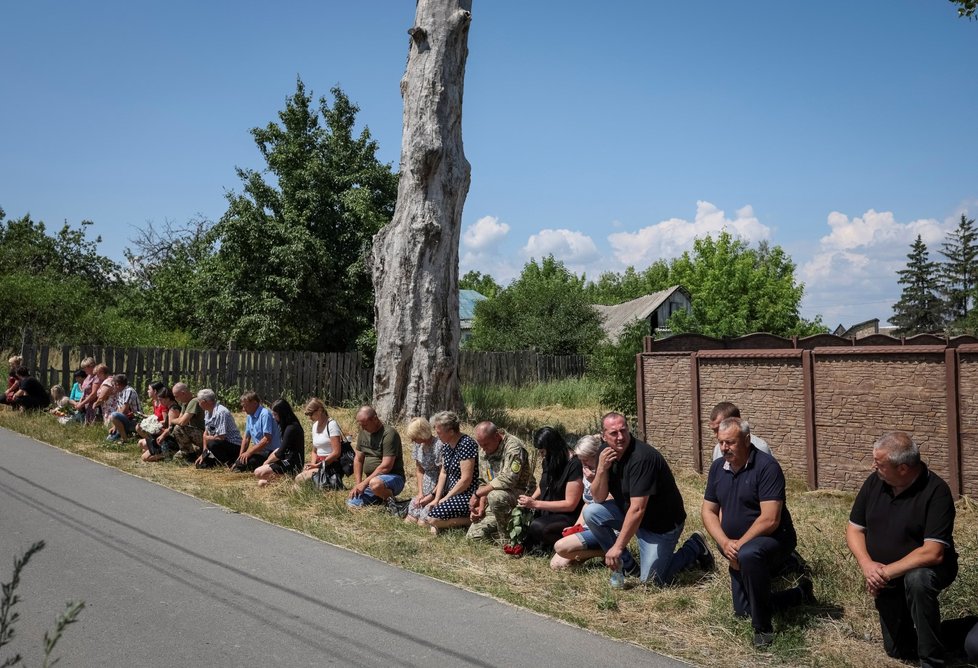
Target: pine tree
<point x="960" y="271"/>
<point x="920" y="308"/>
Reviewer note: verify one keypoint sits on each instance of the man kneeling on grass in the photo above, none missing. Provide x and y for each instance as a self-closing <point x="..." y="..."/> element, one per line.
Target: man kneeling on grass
<point x="261" y="438"/>
<point x="378" y="469"/>
<point x="754" y="529"/>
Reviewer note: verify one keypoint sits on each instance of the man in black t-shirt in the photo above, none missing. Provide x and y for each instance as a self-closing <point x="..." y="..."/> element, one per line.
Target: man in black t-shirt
<point x="30" y="394"/>
<point x="647" y="505"/>
<point x="900" y="532"/>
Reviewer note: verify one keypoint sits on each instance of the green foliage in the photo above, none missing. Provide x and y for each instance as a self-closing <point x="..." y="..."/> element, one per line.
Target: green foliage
<point x="567" y="393"/>
<point x="959" y="272"/>
<point x="614" y="365"/>
<point x="966" y="8"/>
<point x="9" y="617"/>
<point x="482" y="283"/>
<point x="920" y="307"/>
<point x="613" y="288"/>
<point x="737" y="290"/>
<point x="544" y="310"/>
<point x="289" y="263"/>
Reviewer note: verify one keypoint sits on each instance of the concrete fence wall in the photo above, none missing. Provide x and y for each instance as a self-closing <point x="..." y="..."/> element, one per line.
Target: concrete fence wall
<point x="820" y="402"/>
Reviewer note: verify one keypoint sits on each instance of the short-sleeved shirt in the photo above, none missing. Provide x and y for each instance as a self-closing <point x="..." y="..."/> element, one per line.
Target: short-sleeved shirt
<point x="643" y="471"/>
<point x="740" y="494"/>
<point x="322" y="440"/>
<point x="220" y="422"/>
<point x="430" y="460"/>
<point x="196" y="413"/>
<point x="898" y="525"/>
<point x="385" y="442"/>
<point x="76" y="392"/>
<point x="262" y="423"/>
<point x="557" y="491"/>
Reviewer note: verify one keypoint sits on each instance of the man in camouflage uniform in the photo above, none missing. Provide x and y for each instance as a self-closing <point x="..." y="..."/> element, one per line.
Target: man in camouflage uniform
<point x="505" y="472"/>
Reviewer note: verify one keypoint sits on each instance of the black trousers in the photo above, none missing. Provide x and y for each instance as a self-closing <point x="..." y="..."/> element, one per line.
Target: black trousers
<point x="750" y="587"/>
<point x="910" y="615"/>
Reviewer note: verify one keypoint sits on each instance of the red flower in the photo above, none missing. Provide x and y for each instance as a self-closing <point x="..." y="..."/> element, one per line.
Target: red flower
<point x="517" y="550"/>
<point x="508" y="549"/>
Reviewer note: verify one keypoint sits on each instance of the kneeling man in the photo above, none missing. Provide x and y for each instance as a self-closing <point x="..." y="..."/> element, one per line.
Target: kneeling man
<point x="744" y="510"/>
<point x="900" y="534"/>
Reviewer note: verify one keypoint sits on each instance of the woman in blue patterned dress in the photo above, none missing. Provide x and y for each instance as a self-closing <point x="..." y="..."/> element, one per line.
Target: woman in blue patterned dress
<point x="457" y="482"/>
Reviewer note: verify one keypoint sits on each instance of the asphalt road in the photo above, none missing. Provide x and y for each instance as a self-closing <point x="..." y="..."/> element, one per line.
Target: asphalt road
<point x="169" y="580"/>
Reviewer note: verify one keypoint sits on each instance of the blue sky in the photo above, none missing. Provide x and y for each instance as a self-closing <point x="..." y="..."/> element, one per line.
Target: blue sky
<point x="609" y="134"/>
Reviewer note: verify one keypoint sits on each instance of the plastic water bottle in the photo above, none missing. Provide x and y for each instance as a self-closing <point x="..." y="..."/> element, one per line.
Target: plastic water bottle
<point x="617" y="579"/>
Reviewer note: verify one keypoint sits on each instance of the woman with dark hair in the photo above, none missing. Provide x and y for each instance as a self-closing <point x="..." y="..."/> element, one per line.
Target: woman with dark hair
<point x="157" y="447"/>
<point x="289" y="457"/>
<point x="559" y="497"/>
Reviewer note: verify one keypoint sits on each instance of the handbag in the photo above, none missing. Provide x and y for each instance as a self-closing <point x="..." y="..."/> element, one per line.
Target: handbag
<point x="347" y="455"/>
<point x="328" y="476"/>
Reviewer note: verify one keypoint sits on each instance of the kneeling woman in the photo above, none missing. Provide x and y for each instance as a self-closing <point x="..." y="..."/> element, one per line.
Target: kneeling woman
<point x="289" y="457"/>
<point x="456" y="482"/>
<point x="558" y="499"/>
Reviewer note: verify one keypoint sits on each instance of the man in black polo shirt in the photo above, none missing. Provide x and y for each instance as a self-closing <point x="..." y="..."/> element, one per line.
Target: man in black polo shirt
<point x="646" y="505"/>
<point x="744" y="510"/>
<point x="900" y="533"/>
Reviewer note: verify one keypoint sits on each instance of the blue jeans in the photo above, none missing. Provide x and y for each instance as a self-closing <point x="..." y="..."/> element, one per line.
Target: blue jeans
<point x="126" y="422"/>
<point x="657" y="555"/>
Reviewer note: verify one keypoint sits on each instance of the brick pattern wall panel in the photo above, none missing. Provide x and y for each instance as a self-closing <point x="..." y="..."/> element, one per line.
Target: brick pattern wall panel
<point x="968" y="422"/>
<point x="668" y="406"/>
<point x="858" y="398"/>
<point x="769" y="393"/>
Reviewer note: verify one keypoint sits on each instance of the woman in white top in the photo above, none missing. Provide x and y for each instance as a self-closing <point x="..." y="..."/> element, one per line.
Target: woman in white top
<point x="327" y="439"/>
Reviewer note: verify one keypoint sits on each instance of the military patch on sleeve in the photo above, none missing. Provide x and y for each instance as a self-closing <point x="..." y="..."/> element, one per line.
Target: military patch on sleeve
<point x="516" y="466"/>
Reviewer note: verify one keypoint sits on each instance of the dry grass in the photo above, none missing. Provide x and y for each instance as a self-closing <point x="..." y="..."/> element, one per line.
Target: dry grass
<point x="691" y="620"/>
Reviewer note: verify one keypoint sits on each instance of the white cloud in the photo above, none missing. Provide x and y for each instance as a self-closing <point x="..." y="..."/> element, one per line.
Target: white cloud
<point x="670" y="238"/>
<point x="853" y="275"/>
<point x="573" y="248"/>
<point x="485" y="234"/>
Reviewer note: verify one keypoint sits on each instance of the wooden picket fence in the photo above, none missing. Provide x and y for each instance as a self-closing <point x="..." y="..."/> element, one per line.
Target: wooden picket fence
<point x="338" y="378"/>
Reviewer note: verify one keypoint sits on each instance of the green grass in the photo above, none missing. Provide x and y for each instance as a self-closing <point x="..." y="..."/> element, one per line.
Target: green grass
<point x="568" y="393"/>
<point x="692" y="620"/>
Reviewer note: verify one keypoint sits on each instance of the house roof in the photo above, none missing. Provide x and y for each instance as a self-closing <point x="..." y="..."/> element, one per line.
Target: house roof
<point x="616" y="317"/>
<point x="467" y="299"/>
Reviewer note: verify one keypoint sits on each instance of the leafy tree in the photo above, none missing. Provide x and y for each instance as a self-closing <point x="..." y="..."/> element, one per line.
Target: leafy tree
<point x="966" y="8"/>
<point x="920" y="307"/>
<point x="163" y="283"/>
<point x="614" y="288"/>
<point x="545" y="310"/>
<point x="959" y="273"/>
<point x="614" y="364"/>
<point x="484" y="284"/>
<point x="289" y="266"/>
<point x="737" y="290"/>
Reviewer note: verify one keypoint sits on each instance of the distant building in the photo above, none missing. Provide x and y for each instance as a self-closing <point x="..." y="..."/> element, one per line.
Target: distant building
<point x="655" y="308"/>
<point x="863" y="329"/>
<point x="467" y="299"/>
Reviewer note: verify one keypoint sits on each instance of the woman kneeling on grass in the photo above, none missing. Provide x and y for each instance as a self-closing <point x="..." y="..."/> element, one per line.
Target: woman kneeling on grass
<point x="557" y="500"/>
<point x="323" y="466"/>
<point x="426" y="450"/>
<point x="579" y="544"/>
<point x="157" y="447"/>
<point x="288" y="458"/>
<point x="456" y="482"/>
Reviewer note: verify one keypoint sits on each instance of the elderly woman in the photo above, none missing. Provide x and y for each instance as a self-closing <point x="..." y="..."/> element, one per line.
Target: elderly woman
<point x="13" y="382"/>
<point x="457" y="481"/>
<point x="578" y="543"/>
<point x="100" y="390"/>
<point x="288" y="458"/>
<point x="122" y="409"/>
<point x="426" y="451"/>
<point x="557" y="501"/>
<point x="323" y="466"/>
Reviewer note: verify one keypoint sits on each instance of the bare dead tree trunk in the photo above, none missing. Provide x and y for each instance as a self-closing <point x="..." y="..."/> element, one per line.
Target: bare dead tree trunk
<point x="415" y="257"/>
